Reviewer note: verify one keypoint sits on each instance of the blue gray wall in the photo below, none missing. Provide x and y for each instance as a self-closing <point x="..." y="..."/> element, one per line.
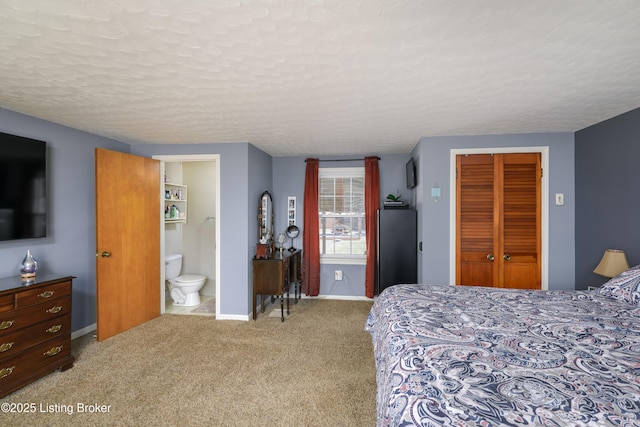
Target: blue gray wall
<point x="607" y="203"/>
<point x="70" y="245"/>
<point x="600" y="202"/>
<point x="433" y="159"/>
<point x="288" y="180"/>
<point x="69" y="248"/>
<point x="260" y="180"/>
<point x="238" y="206"/>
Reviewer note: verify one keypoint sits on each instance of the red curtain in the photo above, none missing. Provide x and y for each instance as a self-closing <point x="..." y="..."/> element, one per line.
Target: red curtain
<point x="372" y="204"/>
<point x="311" y="232"/>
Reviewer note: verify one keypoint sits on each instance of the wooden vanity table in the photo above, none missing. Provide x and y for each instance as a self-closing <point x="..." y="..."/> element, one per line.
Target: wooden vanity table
<point x="35" y="329"/>
<point x="273" y="276"/>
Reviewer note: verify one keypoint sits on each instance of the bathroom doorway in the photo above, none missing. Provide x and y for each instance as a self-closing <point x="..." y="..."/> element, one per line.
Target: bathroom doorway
<point x="194" y="229"/>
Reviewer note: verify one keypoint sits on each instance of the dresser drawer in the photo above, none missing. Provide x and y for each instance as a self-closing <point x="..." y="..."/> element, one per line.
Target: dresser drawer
<point x="14" y="343"/>
<point x="6" y="303"/>
<point x="35" y="329"/>
<point x="12" y="321"/>
<point x="47" y="353"/>
<point x="42" y="295"/>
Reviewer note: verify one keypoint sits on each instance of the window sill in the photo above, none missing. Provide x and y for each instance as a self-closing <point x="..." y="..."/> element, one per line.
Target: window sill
<point x="343" y="260"/>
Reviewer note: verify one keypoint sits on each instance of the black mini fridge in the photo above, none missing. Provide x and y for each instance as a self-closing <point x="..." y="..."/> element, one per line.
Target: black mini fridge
<point x="397" y="246"/>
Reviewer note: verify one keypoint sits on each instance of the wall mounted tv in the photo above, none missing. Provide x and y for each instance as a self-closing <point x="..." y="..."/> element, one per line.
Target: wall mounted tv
<point x="23" y="188"/>
<point x="411" y="173"/>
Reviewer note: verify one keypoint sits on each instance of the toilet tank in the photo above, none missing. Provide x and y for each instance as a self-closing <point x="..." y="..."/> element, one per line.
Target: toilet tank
<point x="172" y="266"/>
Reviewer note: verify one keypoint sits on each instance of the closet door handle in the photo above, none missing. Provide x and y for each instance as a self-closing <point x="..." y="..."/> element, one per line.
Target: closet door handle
<point x="490" y="257"/>
<point x="507" y="257"/>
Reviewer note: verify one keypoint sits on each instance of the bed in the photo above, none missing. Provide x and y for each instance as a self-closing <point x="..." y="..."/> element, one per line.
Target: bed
<point x="473" y="356"/>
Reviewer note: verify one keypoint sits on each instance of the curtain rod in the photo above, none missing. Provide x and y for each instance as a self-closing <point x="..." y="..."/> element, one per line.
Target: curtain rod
<point x="342" y="160"/>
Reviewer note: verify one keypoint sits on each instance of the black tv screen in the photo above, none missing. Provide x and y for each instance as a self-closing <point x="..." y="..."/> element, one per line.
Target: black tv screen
<point x="411" y="173"/>
<point x="23" y="188"/>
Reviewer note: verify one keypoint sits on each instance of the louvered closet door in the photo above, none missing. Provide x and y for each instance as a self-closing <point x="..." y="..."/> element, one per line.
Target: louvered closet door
<point x="476" y="236"/>
<point x="520" y="261"/>
<point x="498" y="220"/>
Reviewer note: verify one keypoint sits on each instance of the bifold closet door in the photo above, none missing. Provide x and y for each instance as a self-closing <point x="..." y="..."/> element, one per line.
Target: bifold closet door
<point x="520" y="264"/>
<point x="498" y="220"/>
<point x="475" y="218"/>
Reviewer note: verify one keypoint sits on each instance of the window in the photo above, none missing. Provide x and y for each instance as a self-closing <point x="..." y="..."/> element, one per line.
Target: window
<point x="341" y="215"/>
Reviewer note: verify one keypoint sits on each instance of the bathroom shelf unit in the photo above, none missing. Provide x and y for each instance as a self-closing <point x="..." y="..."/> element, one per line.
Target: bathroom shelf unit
<point x="175" y="194"/>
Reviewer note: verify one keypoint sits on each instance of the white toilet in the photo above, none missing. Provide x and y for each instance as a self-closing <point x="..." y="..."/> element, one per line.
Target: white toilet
<point x="184" y="289"/>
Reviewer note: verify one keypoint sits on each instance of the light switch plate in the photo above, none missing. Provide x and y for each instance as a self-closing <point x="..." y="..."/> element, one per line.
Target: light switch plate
<point x="559" y="199"/>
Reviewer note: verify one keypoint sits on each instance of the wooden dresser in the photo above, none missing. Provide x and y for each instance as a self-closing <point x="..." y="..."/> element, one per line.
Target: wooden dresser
<point x="274" y="275"/>
<point x="35" y="329"/>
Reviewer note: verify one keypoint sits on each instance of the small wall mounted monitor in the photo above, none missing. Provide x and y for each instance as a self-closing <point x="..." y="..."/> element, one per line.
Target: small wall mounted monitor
<point x="23" y="188"/>
<point x="411" y="173"/>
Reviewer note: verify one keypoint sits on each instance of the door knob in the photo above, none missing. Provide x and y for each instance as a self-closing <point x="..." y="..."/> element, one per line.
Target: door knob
<point x="507" y="257"/>
<point x="105" y="254"/>
<point x="490" y="257"/>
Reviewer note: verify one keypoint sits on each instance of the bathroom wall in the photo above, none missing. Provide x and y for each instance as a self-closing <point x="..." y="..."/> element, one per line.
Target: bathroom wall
<point x="195" y="240"/>
<point x="199" y="231"/>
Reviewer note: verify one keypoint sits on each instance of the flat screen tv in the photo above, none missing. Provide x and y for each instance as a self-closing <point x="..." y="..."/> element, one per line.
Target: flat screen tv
<point x="23" y="188"/>
<point x="411" y="173"/>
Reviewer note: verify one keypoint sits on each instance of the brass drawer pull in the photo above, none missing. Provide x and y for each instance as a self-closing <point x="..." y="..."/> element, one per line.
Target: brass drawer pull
<point x="6" y="347"/>
<point x="54" y="310"/>
<point x="5" y="372"/>
<point x="53" y="351"/>
<point x="6" y="324"/>
<point x="47" y="294"/>
<point x="54" y="329"/>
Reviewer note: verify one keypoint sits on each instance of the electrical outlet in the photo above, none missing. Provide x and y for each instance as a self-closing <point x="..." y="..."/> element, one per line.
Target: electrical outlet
<point x="338" y="274"/>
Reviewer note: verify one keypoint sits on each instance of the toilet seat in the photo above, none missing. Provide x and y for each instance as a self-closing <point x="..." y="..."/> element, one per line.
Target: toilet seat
<point x="188" y="279"/>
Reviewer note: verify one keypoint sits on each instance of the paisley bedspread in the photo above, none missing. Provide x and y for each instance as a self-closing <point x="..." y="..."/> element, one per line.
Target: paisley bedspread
<point x="470" y="356"/>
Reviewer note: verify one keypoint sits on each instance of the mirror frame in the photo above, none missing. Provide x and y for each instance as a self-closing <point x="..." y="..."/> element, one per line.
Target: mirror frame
<point x="269" y="216"/>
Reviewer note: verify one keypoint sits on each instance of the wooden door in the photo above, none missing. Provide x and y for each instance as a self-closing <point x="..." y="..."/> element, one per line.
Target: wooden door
<point x="476" y="233"/>
<point x="498" y="220"/>
<point x="520" y="221"/>
<point x="127" y="241"/>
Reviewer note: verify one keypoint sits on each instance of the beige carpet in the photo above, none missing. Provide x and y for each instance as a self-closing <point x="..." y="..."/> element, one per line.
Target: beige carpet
<point x="314" y="369"/>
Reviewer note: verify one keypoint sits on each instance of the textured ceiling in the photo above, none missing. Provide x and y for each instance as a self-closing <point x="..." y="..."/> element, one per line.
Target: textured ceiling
<point x="319" y="77"/>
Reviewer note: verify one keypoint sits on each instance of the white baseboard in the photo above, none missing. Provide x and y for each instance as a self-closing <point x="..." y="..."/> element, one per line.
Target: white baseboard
<point x="335" y="297"/>
<point x="340" y="297"/>
<point x="83" y="331"/>
<point x="245" y="317"/>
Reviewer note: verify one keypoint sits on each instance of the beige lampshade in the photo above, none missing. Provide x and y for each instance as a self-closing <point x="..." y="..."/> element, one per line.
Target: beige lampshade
<point x="613" y="262"/>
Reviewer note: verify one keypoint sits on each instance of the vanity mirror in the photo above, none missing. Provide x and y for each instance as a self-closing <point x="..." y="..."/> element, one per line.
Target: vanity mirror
<point x="264" y="248"/>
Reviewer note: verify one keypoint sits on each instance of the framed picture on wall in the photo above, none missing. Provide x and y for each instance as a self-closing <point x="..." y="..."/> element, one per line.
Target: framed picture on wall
<point x="291" y="210"/>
